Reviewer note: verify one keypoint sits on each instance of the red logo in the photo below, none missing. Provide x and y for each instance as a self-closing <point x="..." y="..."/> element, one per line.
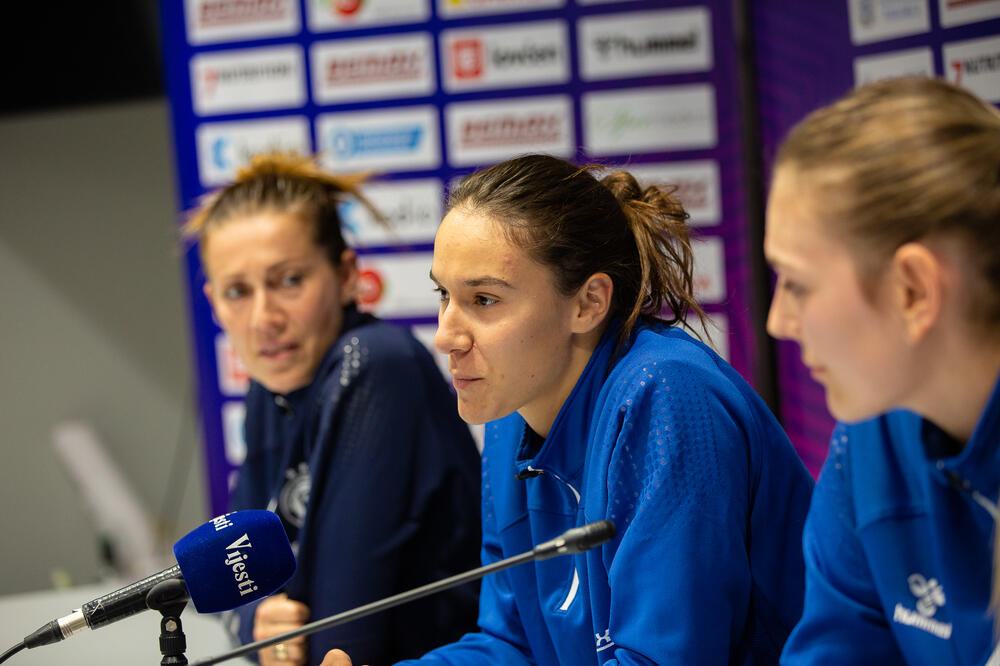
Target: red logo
<point x="467" y="57"/>
<point x="347" y="7"/>
<point x="211" y="81"/>
<point x="370" y="288"/>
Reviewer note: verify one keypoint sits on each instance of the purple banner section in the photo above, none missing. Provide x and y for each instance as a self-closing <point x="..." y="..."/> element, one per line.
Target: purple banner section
<point x="807" y="54"/>
<point x="423" y="92"/>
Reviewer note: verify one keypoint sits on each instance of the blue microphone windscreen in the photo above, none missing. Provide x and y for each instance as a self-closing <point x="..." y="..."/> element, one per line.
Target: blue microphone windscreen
<point x="235" y="559"/>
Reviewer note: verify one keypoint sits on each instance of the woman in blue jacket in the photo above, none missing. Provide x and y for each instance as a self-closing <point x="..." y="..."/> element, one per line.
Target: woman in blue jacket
<point x="559" y="299"/>
<point x="352" y="434"/>
<point x="883" y="226"/>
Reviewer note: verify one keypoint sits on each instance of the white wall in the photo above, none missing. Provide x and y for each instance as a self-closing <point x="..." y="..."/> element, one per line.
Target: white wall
<point x="93" y="326"/>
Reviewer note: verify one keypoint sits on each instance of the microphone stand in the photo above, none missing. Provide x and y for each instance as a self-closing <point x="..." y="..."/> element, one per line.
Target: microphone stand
<point x="169" y="597"/>
<point x="575" y="540"/>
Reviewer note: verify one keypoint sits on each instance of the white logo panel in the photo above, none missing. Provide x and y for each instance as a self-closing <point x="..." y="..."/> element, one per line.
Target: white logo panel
<point x="224" y="147"/>
<point x="644" y="43"/>
<point x="234" y="415"/>
<point x="413" y="209"/>
<point x="495" y="57"/>
<point x="329" y="15"/>
<point x="697" y="186"/>
<point x="958" y="12"/>
<point x="248" y="80"/>
<point x="233" y="378"/>
<point x="210" y="21"/>
<point x="397" y="285"/>
<point x="709" y="270"/>
<point x="486" y="132"/>
<point x="649" y="119"/>
<point x="876" y="20"/>
<point x="453" y="8"/>
<point x="376" y="68"/>
<point x="384" y="140"/>
<point x="975" y="65"/>
<point x="913" y="62"/>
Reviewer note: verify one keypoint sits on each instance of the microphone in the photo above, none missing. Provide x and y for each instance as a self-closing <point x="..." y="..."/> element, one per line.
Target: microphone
<point x="575" y="540"/>
<point x="229" y="561"/>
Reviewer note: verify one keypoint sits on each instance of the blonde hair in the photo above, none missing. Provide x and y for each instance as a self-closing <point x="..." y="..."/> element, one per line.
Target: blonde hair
<point x="285" y="183"/>
<point x="905" y="159"/>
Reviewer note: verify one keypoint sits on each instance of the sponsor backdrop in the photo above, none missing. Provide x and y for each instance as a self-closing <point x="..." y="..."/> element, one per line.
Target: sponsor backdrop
<point x="807" y="55"/>
<point x="424" y="91"/>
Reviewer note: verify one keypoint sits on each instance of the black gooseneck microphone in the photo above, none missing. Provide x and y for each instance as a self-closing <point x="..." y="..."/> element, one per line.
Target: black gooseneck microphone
<point x="575" y="540"/>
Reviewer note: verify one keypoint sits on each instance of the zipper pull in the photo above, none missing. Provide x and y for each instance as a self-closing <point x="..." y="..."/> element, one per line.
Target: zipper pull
<point x="529" y="473"/>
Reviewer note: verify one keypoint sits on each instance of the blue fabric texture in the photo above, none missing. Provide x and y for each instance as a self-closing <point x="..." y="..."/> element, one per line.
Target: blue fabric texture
<point x="708" y="497"/>
<point x="387" y="499"/>
<point x="898" y="560"/>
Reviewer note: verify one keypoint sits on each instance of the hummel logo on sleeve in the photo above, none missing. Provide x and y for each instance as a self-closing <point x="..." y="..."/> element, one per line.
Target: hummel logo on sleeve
<point x="930" y="597"/>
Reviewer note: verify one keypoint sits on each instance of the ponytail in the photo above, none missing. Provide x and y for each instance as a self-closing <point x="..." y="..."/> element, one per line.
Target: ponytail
<point x="576" y="225"/>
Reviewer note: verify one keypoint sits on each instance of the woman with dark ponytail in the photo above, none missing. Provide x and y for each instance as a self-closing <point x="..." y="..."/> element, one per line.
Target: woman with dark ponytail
<point x="563" y="299"/>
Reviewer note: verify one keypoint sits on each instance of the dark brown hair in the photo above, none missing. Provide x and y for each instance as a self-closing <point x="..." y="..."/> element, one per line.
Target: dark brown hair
<point x="577" y="225"/>
<point x="284" y="183"/>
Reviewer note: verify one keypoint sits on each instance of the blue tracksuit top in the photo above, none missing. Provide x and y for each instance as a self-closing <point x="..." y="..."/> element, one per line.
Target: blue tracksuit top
<point x="394" y="477"/>
<point x="898" y="559"/>
<point x="709" y="500"/>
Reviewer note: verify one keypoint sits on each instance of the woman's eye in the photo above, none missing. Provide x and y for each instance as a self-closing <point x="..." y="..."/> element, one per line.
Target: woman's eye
<point x="792" y="287"/>
<point x="485" y="301"/>
<point x="234" y="292"/>
<point x="293" y="280"/>
<point x="442" y="294"/>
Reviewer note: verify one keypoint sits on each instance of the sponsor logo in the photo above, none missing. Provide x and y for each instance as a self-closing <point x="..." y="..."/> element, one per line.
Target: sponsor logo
<point x="347" y="70"/>
<point x="480" y="132"/>
<point x="293" y="500"/>
<point x="339" y="14"/>
<point x="467" y="58"/>
<point x="876" y="20"/>
<point x="387" y="140"/>
<point x="642" y="43"/>
<point x="696" y="183"/>
<point x="649" y="119"/>
<point x="249" y="79"/>
<point x="449" y="8"/>
<point x="224" y="147"/>
<point x="710" y="271"/>
<point x="412" y="208"/>
<point x="396" y="285"/>
<point x="233" y="377"/>
<point x="603" y="641"/>
<point x="975" y="65"/>
<point x="914" y="62"/>
<point x="958" y="12"/>
<point x="236" y="560"/>
<point x="228" y="20"/>
<point x="930" y="597"/>
<point x="496" y="57"/>
<point x="234" y="415"/>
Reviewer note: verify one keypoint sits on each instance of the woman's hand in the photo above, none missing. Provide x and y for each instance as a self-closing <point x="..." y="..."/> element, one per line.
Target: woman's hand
<point x="276" y="615"/>
<point x="336" y="658"/>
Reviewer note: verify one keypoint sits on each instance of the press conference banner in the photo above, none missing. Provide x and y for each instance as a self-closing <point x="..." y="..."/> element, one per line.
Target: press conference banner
<point x="423" y="92"/>
<point x="810" y="53"/>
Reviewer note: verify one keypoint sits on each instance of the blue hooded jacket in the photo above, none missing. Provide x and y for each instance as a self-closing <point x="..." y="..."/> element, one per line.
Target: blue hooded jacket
<point x="708" y="496"/>
<point x="898" y="550"/>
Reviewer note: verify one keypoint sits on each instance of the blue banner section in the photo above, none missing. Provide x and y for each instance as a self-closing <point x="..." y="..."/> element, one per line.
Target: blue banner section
<point x="422" y="92"/>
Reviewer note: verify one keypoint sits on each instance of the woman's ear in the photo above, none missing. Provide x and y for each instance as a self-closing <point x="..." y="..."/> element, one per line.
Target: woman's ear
<point x="347" y="273"/>
<point x="593" y="302"/>
<point x="920" y="278"/>
<point x="207" y="290"/>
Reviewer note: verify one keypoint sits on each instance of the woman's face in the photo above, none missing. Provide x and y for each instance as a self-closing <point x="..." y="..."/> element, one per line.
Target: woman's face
<point x="507" y="331"/>
<point x="853" y="345"/>
<point x="276" y="294"/>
